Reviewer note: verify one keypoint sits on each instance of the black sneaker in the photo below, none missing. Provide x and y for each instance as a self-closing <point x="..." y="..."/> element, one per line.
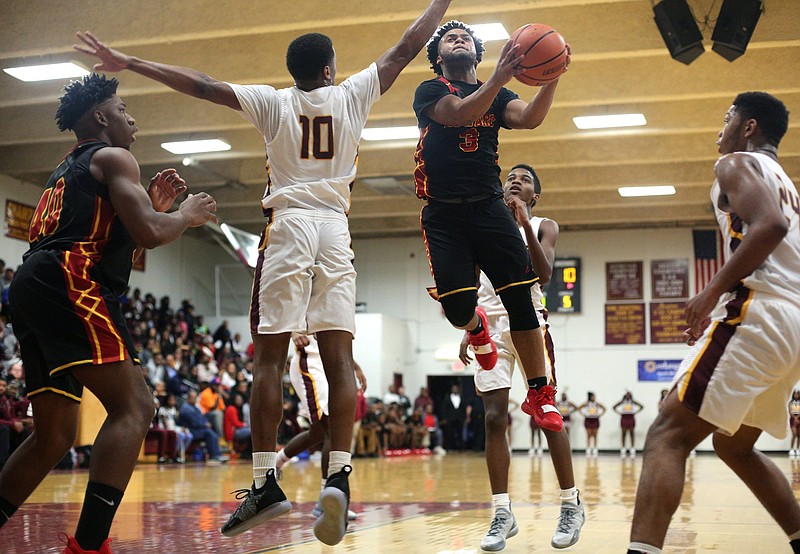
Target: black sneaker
<point x="257" y="507"/>
<point x="334" y="500"/>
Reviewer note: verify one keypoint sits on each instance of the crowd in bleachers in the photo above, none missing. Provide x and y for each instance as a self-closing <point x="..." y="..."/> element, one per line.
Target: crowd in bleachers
<point x="201" y="382"/>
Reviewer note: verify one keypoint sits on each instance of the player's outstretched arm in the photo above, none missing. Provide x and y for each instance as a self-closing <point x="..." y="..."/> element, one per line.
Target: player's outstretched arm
<point x="183" y="79"/>
<point x="396" y="58"/>
<point x="117" y="168"/>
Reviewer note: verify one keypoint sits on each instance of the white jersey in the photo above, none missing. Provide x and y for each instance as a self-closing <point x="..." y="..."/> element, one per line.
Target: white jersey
<point x="311" y="138"/>
<point x="489" y="300"/>
<point x="779" y="274"/>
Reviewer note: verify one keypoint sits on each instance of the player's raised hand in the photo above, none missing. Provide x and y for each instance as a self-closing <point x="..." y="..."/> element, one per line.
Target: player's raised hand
<point x="110" y="59"/>
<point x="199" y="209"/>
<point x="508" y="63"/>
<point x="164" y="187"/>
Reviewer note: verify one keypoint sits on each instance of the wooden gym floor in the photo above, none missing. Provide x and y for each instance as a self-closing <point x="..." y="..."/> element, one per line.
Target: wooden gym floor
<point x="408" y="505"/>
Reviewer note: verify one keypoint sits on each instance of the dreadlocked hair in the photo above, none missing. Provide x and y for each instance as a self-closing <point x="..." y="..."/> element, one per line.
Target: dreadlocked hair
<point x="433" y="43"/>
<point x="80" y="96"/>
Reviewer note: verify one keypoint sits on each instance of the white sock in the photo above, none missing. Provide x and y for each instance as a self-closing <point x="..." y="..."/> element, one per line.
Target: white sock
<point x="281" y="459"/>
<point x="262" y="462"/>
<point x="569" y="495"/>
<point x="646" y="548"/>
<point x="501" y="501"/>
<point x="337" y="460"/>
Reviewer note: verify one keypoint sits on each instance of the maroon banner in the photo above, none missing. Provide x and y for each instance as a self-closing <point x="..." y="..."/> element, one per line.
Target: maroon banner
<point x="667" y="322"/>
<point x="624" y="281"/>
<point x="625" y="324"/>
<point x="670" y="279"/>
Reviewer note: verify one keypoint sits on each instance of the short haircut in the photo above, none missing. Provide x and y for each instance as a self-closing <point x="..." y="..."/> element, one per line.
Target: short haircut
<point x="537" y="184"/>
<point x="770" y="113"/>
<point x="433" y="43"/>
<point x="81" y="96"/>
<point x="308" y="55"/>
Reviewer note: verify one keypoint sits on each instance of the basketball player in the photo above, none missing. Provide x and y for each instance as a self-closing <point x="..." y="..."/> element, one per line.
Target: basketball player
<point x="308" y="379"/>
<point x="465" y="222"/>
<point x="92" y="216"/>
<point x="305" y="280"/>
<point x="737" y="378"/>
<point x="521" y="191"/>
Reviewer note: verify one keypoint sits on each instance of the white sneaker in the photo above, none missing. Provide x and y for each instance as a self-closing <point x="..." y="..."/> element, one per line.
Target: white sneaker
<point x="632" y="453"/>
<point x="504" y="526"/>
<point x="439" y="450"/>
<point x="622" y="453"/>
<point x="570" y="521"/>
<point x="531" y="452"/>
<point x="539" y="452"/>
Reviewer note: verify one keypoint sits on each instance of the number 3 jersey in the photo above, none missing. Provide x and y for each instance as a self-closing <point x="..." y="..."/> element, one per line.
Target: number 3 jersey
<point x="457" y="161"/>
<point x="311" y="138"/>
<point x="74" y="216"/>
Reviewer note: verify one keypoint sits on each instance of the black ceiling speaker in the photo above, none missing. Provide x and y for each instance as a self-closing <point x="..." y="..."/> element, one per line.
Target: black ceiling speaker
<point x="734" y="28"/>
<point x="679" y="30"/>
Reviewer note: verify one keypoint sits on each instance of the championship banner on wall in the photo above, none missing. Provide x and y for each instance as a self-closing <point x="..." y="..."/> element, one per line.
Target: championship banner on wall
<point x="658" y="370"/>
<point x="18" y="220"/>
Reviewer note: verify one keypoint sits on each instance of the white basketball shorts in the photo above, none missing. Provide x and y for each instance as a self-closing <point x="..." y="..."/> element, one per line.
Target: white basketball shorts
<point x="500" y="376"/>
<point x="310" y="384"/>
<point x="305" y="280"/>
<point x="744" y="367"/>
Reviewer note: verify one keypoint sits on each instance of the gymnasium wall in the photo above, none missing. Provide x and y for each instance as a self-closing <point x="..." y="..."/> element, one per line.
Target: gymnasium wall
<point x="392" y="276"/>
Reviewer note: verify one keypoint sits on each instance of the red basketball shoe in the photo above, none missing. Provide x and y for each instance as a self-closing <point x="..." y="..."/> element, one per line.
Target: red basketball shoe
<point x="540" y="404"/>
<point x="482" y="345"/>
<point x="74" y="548"/>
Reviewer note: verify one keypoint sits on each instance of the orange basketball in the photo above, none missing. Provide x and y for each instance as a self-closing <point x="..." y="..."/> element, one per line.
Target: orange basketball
<point x="544" y="51"/>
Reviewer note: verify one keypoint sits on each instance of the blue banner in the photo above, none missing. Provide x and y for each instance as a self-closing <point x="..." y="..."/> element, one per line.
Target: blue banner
<point x="658" y="370"/>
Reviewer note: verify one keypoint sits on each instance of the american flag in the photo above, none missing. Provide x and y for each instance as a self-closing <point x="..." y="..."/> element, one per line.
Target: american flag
<point x="707" y="256"/>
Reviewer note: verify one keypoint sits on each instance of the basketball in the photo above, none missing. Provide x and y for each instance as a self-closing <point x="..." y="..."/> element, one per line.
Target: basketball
<point x="544" y="51"/>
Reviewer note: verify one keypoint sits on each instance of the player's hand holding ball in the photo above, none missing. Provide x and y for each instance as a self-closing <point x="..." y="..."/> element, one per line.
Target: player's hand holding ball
<point x="545" y="54"/>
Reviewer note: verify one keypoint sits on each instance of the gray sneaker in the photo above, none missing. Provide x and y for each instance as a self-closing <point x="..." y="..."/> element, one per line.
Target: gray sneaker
<point x="334" y="500"/>
<point x="570" y="521"/>
<point x="258" y="506"/>
<point x="503" y="527"/>
<point x="316" y="511"/>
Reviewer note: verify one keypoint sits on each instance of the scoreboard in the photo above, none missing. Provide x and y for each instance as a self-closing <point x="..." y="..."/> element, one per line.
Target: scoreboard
<point x="563" y="292"/>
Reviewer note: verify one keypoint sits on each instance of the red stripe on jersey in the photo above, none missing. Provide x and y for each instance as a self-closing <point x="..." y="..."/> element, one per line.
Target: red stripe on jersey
<point x="420" y="174"/>
<point x="106" y="343"/>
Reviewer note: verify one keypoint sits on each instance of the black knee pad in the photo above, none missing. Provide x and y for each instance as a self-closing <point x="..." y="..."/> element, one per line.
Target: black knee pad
<point x="460" y="307"/>
<point x="521" y="314"/>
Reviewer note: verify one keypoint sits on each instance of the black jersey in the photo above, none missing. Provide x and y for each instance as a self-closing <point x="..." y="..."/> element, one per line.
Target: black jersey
<point x="457" y="162"/>
<point x="75" y="217"/>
